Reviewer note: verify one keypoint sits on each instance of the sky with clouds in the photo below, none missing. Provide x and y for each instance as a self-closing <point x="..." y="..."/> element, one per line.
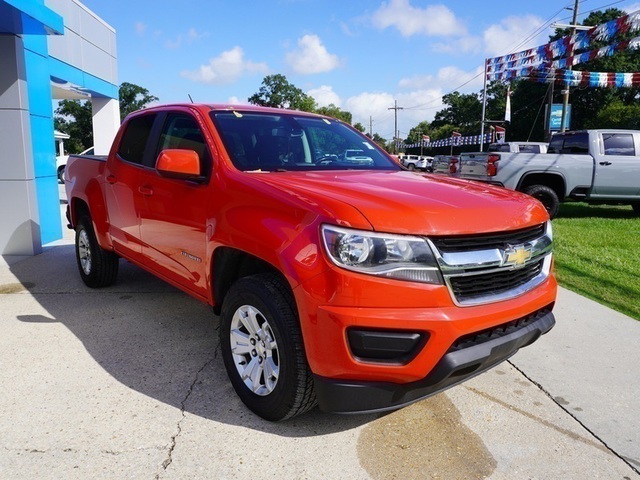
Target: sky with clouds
<point x="359" y="55"/>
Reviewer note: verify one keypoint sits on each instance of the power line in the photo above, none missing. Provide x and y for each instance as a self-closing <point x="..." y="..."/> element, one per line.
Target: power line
<point x="533" y="34"/>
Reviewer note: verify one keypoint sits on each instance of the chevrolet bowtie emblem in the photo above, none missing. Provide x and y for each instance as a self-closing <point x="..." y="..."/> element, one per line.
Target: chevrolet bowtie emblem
<point x="516" y="256"/>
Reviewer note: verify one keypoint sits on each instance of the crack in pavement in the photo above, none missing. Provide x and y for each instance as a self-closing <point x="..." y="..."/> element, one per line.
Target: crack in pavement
<point x="75" y="450"/>
<point x="167" y="461"/>
<point x="582" y="424"/>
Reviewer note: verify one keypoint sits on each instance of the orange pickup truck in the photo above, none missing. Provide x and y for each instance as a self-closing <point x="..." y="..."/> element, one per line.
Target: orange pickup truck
<point x="344" y="282"/>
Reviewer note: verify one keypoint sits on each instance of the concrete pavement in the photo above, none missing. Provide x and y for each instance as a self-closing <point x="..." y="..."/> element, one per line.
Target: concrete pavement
<point x="127" y="382"/>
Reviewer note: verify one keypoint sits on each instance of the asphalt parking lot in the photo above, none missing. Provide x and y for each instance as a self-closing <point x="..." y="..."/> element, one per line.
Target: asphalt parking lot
<point x="127" y="382"/>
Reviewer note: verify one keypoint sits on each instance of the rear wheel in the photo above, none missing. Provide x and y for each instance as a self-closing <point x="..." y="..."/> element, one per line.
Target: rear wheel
<point x="411" y="166"/>
<point x="547" y="196"/>
<point x="262" y="348"/>
<point x="61" y="174"/>
<point x="98" y="267"/>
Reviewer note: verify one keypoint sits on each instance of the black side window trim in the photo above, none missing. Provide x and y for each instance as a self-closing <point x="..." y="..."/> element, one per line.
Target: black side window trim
<point x="150" y="140"/>
<point x="156" y="135"/>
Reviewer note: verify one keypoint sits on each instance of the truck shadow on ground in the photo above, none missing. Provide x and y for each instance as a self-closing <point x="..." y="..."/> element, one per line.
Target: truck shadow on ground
<point x="583" y="210"/>
<point x="153" y="339"/>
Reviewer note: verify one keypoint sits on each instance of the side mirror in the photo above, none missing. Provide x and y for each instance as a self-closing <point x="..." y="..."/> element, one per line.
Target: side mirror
<point x="178" y="163"/>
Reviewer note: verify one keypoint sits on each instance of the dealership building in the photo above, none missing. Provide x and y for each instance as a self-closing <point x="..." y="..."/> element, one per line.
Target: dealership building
<point x="49" y="50"/>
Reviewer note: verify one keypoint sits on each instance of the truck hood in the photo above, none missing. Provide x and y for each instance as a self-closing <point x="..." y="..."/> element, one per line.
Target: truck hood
<point x="411" y="203"/>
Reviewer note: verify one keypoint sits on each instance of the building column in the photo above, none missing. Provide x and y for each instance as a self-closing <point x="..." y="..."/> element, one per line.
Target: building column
<point x="106" y="122"/>
<point x="19" y="214"/>
<point x="42" y="142"/>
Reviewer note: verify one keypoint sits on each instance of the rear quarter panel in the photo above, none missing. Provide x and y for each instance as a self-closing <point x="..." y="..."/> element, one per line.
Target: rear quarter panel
<point x="84" y="183"/>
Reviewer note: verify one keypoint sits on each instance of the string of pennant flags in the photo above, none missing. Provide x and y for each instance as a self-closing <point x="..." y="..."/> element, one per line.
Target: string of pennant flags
<point x="453" y="141"/>
<point x="542" y="64"/>
<point x="563" y="46"/>
<point x="563" y="63"/>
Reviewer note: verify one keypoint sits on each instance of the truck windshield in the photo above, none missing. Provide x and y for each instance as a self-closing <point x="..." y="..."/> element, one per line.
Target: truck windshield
<point x="274" y="142"/>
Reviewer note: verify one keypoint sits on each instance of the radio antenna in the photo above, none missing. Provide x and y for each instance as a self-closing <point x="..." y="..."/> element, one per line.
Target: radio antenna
<point x="189" y="95"/>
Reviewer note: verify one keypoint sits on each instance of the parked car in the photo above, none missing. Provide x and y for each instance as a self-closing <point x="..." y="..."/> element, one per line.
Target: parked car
<point x="61" y="162"/>
<point x="445" y="164"/>
<point x="356" y="157"/>
<point x="357" y="287"/>
<point x="594" y="166"/>
<point x="417" y="162"/>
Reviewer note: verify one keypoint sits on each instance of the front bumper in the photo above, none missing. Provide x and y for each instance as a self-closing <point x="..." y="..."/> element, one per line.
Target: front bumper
<point x="467" y="358"/>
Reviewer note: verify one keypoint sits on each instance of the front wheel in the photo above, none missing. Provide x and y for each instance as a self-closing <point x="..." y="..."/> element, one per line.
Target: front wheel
<point x="98" y="267"/>
<point x="262" y="348"/>
<point x="636" y="207"/>
<point x="61" y="174"/>
<point x="547" y="196"/>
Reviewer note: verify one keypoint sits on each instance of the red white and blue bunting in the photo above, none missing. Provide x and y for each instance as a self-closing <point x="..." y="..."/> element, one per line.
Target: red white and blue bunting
<point x="575" y="78"/>
<point x="567" y="44"/>
<point x="452" y="141"/>
<point x="563" y="63"/>
<point x="546" y="60"/>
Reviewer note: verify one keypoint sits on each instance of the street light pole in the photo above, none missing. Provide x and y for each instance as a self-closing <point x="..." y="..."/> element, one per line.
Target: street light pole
<point x="565" y="100"/>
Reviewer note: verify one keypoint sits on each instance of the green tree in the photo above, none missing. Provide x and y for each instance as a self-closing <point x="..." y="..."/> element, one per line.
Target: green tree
<point x="462" y="110"/>
<point x="358" y="126"/>
<point x="276" y="91"/>
<point x="335" y="112"/>
<point x="616" y="115"/>
<point x="381" y="142"/>
<point x="75" y="117"/>
<point x="133" y="97"/>
<point x="416" y="133"/>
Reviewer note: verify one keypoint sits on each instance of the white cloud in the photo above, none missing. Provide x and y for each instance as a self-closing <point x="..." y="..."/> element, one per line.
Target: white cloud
<point x="311" y="56"/>
<point x="445" y="79"/>
<point x="325" y="96"/>
<point x="508" y="35"/>
<point x="459" y="46"/>
<point x="634" y="7"/>
<point x="226" y="68"/>
<point x="191" y="36"/>
<point x="233" y="100"/>
<point x="140" y="28"/>
<point x="418" y="106"/>
<point x="433" y="20"/>
<point x="174" y="44"/>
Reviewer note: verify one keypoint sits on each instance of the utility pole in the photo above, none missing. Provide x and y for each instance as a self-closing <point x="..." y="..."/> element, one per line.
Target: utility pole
<point x="565" y="100"/>
<point x="484" y="108"/>
<point x="371" y="126"/>
<point x="395" y="131"/>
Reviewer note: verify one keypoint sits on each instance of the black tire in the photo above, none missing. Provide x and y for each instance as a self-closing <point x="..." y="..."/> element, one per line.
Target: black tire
<point x="98" y="267"/>
<point x="275" y="312"/>
<point x="547" y="196"/>
<point x="636" y="207"/>
<point x="411" y="166"/>
<point x="61" y="174"/>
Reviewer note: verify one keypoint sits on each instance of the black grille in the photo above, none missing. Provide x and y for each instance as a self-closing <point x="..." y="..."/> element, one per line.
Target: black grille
<point x="474" y="286"/>
<point x="488" y="241"/>
<point x="499" y="331"/>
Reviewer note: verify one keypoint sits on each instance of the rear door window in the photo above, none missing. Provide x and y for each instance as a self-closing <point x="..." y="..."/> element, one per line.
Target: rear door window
<point x="618" y="144"/>
<point x="134" y="139"/>
<point x="529" y="148"/>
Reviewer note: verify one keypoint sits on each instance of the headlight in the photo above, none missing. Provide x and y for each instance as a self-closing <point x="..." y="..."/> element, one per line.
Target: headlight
<point x="394" y="256"/>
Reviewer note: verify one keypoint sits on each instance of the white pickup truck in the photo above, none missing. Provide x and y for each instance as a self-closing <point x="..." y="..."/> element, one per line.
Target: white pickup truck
<point x="595" y="166"/>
